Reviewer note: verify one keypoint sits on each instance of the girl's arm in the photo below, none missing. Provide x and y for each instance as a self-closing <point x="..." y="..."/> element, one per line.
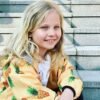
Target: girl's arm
<point x="67" y="80"/>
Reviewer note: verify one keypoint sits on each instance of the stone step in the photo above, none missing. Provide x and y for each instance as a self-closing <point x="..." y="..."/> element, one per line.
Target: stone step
<point x="81" y="10"/>
<point x="88" y="50"/>
<point x="91" y="80"/>
<point x="86" y="2"/>
<point x="5" y="35"/>
<point x="67" y="10"/>
<point x="84" y="57"/>
<point x="85" y="22"/>
<point x="82" y="50"/>
<point x="2" y="48"/>
<point x="30" y="1"/>
<point x="82" y="36"/>
<point x="19" y="6"/>
<point x="88" y="57"/>
<point x="57" y="1"/>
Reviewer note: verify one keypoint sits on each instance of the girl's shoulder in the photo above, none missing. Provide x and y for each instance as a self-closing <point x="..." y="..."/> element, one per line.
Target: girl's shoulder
<point x="5" y="56"/>
<point x="12" y="58"/>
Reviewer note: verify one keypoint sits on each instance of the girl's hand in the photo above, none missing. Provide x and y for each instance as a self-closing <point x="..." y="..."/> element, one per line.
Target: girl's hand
<point x="66" y="95"/>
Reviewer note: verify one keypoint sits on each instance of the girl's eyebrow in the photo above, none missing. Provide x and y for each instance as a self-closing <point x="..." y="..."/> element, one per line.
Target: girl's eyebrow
<point x="44" y="25"/>
<point x="48" y="24"/>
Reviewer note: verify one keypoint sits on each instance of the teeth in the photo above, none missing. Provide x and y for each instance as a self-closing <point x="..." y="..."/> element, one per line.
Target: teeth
<point x="50" y="41"/>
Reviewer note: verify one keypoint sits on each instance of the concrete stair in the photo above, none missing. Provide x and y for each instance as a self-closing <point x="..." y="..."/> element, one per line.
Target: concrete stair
<point x="81" y="38"/>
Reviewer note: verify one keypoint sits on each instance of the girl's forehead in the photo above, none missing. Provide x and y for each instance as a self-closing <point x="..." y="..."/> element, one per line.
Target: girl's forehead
<point x="51" y="14"/>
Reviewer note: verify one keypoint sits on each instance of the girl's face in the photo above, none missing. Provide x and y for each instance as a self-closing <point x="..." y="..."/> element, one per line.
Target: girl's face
<point x="49" y="32"/>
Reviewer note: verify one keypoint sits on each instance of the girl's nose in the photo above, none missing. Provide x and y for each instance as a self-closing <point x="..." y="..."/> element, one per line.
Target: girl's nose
<point x="51" y="32"/>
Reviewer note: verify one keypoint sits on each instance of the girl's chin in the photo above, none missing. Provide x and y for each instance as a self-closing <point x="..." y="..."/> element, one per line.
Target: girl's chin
<point x="49" y="48"/>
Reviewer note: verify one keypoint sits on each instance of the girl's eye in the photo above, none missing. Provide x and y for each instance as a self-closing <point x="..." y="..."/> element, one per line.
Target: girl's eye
<point x="44" y="27"/>
<point x="56" y="27"/>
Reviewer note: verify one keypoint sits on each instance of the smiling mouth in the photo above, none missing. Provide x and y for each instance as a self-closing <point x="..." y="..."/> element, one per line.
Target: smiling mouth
<point x="51" y="40"/>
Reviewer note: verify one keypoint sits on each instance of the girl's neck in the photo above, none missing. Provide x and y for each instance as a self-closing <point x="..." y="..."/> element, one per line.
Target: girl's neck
<point x="42" y="55"/>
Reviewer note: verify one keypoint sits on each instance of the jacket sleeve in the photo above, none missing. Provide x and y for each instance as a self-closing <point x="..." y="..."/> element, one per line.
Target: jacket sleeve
<point x="20" y="82"/>
<point x="66" y="79"/>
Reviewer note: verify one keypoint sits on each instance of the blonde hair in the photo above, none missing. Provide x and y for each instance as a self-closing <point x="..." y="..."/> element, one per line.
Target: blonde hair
<point x="32" y="18"/>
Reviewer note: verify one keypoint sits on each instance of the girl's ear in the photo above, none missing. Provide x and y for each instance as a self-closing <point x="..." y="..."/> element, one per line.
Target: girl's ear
<point x="29" y="34"/>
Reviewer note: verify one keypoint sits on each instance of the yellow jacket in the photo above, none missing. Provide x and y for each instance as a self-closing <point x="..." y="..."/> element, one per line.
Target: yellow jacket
<point x="20" y="80"/>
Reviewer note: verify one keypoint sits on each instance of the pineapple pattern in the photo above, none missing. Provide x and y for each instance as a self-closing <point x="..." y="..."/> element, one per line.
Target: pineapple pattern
<point x="32" y="91"/>
<point x="13" y="98"/>
<point x="20" y="81"/>
<point x="71" y="79"/>
<point x="2" y="89"/>
<point x="10" y="82"/>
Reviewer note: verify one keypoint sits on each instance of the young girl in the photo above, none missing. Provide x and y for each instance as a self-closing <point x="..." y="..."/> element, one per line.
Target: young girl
<point x="35" y="67"/>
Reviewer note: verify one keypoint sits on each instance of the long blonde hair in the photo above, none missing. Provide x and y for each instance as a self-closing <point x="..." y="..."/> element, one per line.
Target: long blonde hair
<point x="32" y="18"/>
